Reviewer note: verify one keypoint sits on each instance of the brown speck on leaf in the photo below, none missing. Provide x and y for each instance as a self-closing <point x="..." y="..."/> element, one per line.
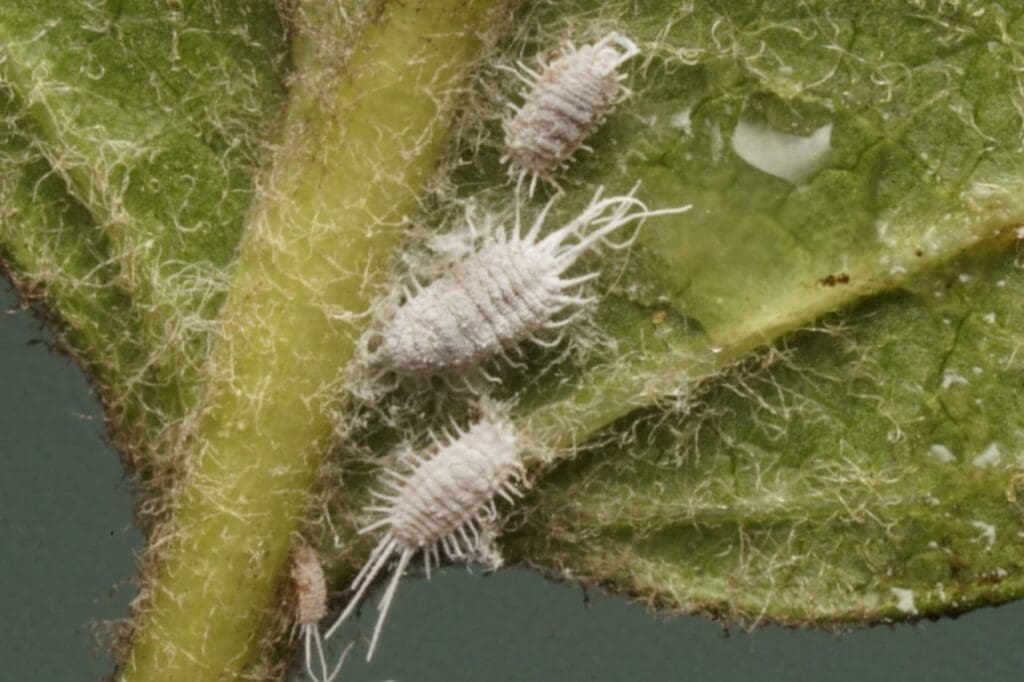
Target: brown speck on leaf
<point x="659" y="317"/>
<point x="833" y="280"/>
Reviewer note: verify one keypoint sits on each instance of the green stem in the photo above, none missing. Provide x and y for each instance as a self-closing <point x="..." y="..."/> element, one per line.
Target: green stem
<point x="355" y="154"/>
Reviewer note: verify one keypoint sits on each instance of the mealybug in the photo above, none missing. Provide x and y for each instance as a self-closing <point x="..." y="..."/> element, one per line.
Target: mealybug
<point x="441" y="502"/>
<point x="508" y="289"/>
<point x="566" y="101"/>
<point x="310" y="607"/>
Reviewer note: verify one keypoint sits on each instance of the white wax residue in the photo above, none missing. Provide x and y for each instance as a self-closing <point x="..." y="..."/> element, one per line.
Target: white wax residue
<point x="941" y="452"/>
<point x="790" y="157"/>
<point x="989" y="457"/>
<point x="988" y="532"/>
<point x="716" y="143"/>
<point x="681" y="120"/>
<point x="905" y="600"/>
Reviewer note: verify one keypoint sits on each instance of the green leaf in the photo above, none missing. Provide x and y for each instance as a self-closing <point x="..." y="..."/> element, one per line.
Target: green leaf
<point x="909" y="175"/>
<point x="832" y="168"/>
<point x="848" y="165"/>
<point x="150" y="120"/>
<point x="156" y="117"/>
<point x="870" y="468"/>
<point x="808" y="488"/>
<point x="52" y="248"/>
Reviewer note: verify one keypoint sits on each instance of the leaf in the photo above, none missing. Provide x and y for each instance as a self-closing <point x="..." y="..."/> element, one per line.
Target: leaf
<point x="150" y="122"/>
<point x="899" y="160"/>
<point x="809" y="488"/>
<point x="695" y="449"/>
<point x="154" y="115"/>
<point x="865" y="470"/>
<point x="903" y="185"/>
<point x="51" y="236"/>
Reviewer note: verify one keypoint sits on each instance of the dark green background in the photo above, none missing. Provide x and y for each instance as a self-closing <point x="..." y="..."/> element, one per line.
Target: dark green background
<point x="67" y="564"/>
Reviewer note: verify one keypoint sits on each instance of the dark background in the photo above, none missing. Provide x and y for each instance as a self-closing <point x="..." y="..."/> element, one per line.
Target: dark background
<point x="67" y="548"/>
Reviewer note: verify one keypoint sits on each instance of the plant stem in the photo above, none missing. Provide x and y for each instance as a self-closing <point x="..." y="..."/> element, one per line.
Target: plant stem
<point x="355" y="152"/>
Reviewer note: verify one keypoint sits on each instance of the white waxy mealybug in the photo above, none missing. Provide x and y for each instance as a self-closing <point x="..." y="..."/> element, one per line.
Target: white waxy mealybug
<point x="509" y="289"/>
<point x="445" y="501"/>
<point x="310" y="608"/>
<point x="567" y="100"/>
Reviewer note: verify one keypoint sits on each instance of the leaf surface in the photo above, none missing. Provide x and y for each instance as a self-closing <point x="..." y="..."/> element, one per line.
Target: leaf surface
<point x="827" y="463"/>
<point x="861" y="471"/>
<point x="854" y="172"/>
<point x="859" y="166"/>
<point x="150" y="120"/>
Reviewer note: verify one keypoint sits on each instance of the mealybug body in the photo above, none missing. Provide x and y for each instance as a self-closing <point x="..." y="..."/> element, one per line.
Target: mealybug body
<point x="509" y="289"/>
<point x="310" y="607"/>
<point x="565" y="103"/>
<point x="442" y="502"/>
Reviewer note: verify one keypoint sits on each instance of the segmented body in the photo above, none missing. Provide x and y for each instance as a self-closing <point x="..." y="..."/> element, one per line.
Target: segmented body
<point x="486" y="304"/>
<point x="310" y="608"/>
<point x="510" y="289"/>
<point x="443" y="502"/>
<point x="310" y="587"/>
<point x="440" y="502"/>
<point x="565" y="103"/>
